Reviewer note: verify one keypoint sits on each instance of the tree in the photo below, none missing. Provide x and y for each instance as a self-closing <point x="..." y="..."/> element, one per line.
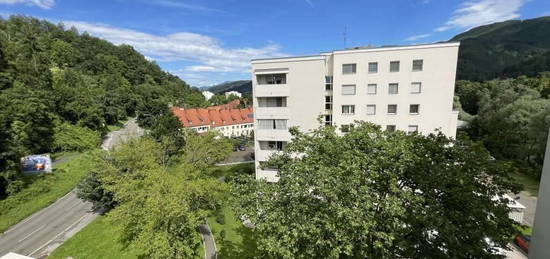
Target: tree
<point x="378" y="194"/>
<point x="204" y="150"/>
<point x="91" y="189"/>
<point x="512" y="122"/>
<point x="168" y="131"/>
<point x="157" y="212"/>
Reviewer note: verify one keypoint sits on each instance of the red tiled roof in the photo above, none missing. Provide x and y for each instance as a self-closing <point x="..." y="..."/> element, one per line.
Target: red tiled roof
<point x="231" y="105"/>
<point x="214" y="116"/>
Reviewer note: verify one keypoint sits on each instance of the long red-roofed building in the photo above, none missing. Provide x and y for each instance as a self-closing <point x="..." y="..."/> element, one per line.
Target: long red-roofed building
<point x="228" y="119"/>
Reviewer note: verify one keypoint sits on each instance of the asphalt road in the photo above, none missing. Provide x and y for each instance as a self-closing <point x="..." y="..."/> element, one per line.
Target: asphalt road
<point x="42" y="232"/>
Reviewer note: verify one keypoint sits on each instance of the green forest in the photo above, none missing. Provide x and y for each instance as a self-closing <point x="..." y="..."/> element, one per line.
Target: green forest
<point x="60" y="89"/>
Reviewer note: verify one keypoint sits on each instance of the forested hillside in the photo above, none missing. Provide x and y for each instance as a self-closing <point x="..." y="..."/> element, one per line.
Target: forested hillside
<point x="57" y="83"/>
<point x="242" y="86"/>
<point x="504" y="50"/>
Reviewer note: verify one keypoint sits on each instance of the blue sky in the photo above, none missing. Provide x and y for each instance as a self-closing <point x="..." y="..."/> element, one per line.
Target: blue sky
<point x="211" y="41"/>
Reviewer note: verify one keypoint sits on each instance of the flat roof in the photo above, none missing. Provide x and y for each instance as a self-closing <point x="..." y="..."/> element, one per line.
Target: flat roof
<point x="358" y="50"/>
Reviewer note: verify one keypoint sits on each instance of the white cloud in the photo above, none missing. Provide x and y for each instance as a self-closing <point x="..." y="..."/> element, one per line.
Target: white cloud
<point x="207" y="53"/>
<point x="417" y="37"/>
<point x="44" y="4"/>
<point x="176" y="4"/>
<point x="475" y="13"/>
<point x="478" y="12"/>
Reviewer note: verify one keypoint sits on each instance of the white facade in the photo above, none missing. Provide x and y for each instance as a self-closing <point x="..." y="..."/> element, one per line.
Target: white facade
<point x="236" y="130"/>
<point x="227" y="94"/>
<point x="379" y="85"/>
<point x="207" y="94"/>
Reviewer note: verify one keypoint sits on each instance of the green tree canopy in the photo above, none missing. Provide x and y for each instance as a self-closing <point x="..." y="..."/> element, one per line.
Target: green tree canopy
<point x="377" y="194"/>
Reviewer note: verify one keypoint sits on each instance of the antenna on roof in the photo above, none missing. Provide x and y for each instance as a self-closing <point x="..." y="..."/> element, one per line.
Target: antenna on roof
<point x="345" y="36"/>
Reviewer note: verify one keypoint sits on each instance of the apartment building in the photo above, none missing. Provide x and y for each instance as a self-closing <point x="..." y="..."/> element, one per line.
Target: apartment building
<point x="408" y="88"/>
<point x="227" y="119"/>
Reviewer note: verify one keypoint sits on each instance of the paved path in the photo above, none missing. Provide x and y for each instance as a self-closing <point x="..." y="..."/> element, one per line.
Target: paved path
<point x="208" y="241"/>
<point x="38" y="235"/>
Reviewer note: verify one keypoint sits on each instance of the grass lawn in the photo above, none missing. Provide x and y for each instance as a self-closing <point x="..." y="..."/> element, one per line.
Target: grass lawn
<point x="239" y="240"/>
<point x="43" y="190"/>
<point x="232" y="170"/>
<point x="97" y="240"/>
<point x="530" y="185"/>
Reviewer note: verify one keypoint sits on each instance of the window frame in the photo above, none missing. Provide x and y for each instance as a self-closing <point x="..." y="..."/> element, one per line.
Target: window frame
<point x="371" y="106"/>
<point x="350" y="85"/>
<point x="353" y="69"/>
<point x="369" y="67"/>
<point x="348" y="126"/>
<point x="417" y="109"/>
<point x="390" y="87"/>
<point x="409" y="129"/>
<point x="393" y="128"/>
<point x="375" y="89"/>
<point x="351" y="107"/>
<point x="388" y="111"/>
<point x="419" y="87"/>
<point x="398" y="66"/>
<point x="421" y="65"/>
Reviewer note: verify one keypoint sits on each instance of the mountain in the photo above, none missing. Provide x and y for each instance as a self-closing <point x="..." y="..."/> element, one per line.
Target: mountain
<point x="242" y="86"/>
<point x="505" y="49"/>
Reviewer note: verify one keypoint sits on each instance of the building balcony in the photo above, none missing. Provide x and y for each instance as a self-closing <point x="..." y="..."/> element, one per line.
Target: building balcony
<point x="268" y="175"/>
<point x="271" y="90"/>
<point x="264" y="155"/>
<point x="273" y="135"/>
<point x="271" y="113"/>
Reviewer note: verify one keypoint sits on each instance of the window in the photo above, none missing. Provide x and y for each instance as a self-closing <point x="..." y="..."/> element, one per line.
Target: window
<point x="416" y="87"/>
<point x="272" y="145"/>
<point x="418" y="65"/>
<point x="392" y="108"/>
<point x="371" y="109"/>
<point x="272" y="124"/>
<point x="412" y="129"/>
<point x="328" y="102"/>
<point x="328" y="120"/>
<point x="346" y="128"/>
<point x="271" y="79"/>
<point x="414" y="108"/>
<point x="373" y="67"/>
<point x="393" y="88"/>
<point x="348" y="109"/>
<point x="271" y="101"/>
<point x="390" y="128"/>
<point x="348" y="69"/>
<point x="328" y="82"/>
<point x="348" y="90"/>
<point x="394" y="66"/>
<point x="371" y="89"/>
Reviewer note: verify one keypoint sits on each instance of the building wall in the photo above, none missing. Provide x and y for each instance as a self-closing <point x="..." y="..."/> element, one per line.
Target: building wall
<point x="305" y="91"/>
<point x="437" y="90"/>
<point x="236" y="130"/>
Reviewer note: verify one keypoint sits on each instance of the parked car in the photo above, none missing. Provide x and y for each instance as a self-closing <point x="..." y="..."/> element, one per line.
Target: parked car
<point x="242" y="147"/>
<point x="523" y="242"/>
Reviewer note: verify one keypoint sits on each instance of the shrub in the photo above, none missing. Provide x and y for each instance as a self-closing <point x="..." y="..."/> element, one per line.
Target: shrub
<point x="220" y="219"/>
<point x="68" y="137"/>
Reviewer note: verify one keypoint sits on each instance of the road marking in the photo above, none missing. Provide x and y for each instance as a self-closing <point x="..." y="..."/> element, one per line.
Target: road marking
<point x="37" y="213"/>
<point x="27" y="236"/>
<point x="56" y="236"/>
